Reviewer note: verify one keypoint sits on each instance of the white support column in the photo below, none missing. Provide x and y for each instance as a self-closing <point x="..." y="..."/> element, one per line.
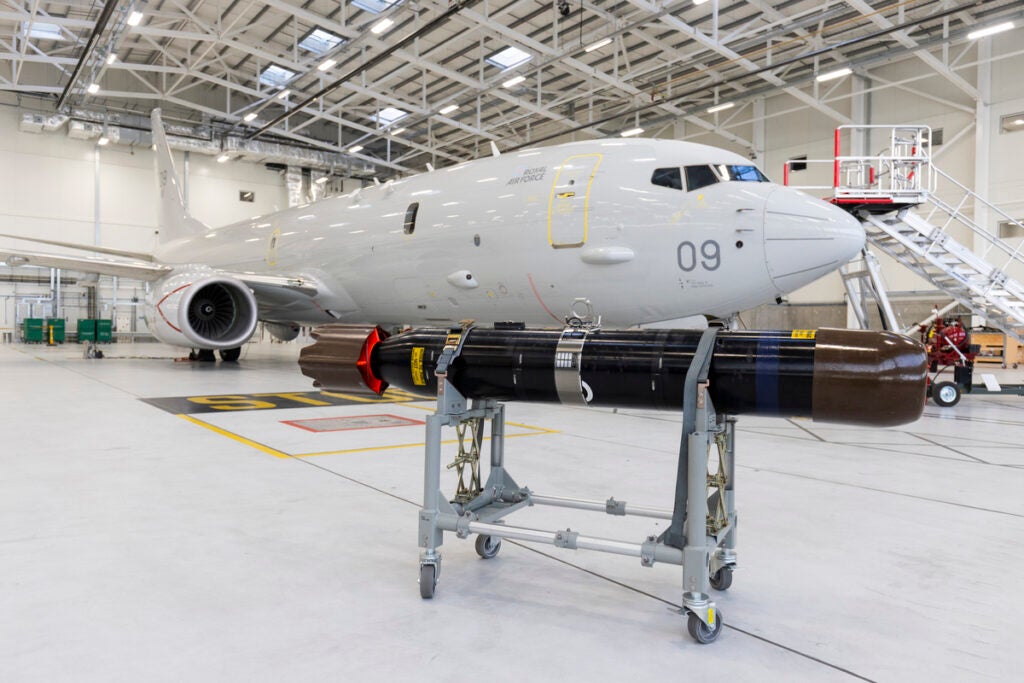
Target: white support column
<point x="759" y="132"/>
<point x="982" y="147"/>
<point x="860" y="110"/>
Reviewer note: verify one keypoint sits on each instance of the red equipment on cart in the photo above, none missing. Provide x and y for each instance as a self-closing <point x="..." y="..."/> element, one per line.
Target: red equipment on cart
<point x="948" y="344"/>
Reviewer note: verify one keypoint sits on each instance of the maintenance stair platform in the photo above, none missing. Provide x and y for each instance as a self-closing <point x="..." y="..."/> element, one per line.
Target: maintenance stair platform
<point x="923" y="218"/>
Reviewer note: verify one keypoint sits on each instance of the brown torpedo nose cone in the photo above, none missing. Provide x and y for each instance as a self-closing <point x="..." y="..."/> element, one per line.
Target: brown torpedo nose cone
<point x="865" y="377"/>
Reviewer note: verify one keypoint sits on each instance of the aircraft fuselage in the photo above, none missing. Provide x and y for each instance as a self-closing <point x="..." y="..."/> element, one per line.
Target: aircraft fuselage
<point x="520" y="236"/>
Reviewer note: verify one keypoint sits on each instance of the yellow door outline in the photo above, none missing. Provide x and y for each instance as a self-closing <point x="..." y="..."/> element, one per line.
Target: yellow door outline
<point x="564" y="194"/>
<point x="272" y="245"/>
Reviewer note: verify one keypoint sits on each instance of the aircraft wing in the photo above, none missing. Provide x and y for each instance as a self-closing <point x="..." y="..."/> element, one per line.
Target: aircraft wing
<point x="104" y="265"/>
<point x="279" y="297"/>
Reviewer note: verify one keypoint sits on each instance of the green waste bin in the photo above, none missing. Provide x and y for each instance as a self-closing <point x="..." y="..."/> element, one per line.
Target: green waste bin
<point x="56" y="325"/>
<point x="86" y="330"/>
<point x="104" y="330"/>
<point x="32" y="330"/>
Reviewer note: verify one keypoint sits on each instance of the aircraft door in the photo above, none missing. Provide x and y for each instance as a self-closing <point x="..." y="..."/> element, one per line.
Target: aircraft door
<point x="569" y="203"/>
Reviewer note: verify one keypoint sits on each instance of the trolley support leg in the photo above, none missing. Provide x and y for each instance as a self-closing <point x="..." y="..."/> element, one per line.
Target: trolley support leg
<point x="430" y="535"/>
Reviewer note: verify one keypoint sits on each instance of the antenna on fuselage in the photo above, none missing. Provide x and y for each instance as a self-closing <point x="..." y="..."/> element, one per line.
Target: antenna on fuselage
<point x="494" y="149"/>
<point x="430" y="167"/>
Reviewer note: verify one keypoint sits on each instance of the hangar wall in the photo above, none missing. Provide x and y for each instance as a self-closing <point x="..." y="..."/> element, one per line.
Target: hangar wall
<point x="56" y="187"/>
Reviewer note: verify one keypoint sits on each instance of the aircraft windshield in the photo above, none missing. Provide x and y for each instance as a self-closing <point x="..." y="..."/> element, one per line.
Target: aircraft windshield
<point x="706" y="174"/>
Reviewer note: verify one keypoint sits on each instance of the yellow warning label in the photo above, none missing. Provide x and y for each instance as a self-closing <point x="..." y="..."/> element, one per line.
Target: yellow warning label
<point x="803" y="334"/>
<point x="419" y="378"/>
<point x="711" y="617"/>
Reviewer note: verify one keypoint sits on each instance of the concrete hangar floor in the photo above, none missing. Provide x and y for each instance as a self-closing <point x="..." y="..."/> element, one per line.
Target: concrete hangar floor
<point x="145" y="536"/>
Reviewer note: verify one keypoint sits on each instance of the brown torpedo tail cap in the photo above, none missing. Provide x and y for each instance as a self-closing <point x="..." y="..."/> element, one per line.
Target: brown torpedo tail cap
<point x="868" y="378"/>
<point x="340" y="358"/>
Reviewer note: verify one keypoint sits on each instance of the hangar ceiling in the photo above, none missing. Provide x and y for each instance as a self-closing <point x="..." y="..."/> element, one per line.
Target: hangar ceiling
<point x="392" y="85"/>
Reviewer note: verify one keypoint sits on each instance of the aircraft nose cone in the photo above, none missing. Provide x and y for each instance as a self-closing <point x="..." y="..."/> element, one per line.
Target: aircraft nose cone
<point x="806" y="237"/>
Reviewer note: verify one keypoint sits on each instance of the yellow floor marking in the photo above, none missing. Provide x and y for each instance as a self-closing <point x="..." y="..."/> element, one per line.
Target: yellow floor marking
<point x="415" y="445"/>
<point x="537" y="431"/>
<point x="236" y="437"/>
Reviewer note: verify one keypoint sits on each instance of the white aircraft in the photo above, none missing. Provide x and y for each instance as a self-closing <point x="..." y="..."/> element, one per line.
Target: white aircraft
<point x="647" y="230"/>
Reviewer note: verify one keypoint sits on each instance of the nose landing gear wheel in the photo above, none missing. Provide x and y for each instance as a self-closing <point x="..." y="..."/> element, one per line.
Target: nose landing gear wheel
<point x="487" y="546"/>
<point x="428" y="581"/>
<point x="700" y="631"/>
<point x="230" y="355"/>
<point x="946" y="394"/>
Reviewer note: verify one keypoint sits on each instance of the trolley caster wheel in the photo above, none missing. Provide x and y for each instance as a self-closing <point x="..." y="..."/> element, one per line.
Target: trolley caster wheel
<point x="946" y="394"/>
<point x="428" y="580"/>
<point x="722" y="579"/>
<point x="487" y="546"/>
<point x="700" y="631"/>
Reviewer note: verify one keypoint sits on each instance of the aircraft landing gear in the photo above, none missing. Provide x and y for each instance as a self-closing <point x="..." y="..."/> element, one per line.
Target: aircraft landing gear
<point x="209" y="356"/>
<point x="202" y="355"/>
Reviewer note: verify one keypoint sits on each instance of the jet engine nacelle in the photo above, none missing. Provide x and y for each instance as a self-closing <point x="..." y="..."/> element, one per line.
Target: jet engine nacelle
<point x="194" y="306"/>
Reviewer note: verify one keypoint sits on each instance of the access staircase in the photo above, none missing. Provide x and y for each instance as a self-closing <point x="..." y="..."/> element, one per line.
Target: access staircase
<point x="901" y="199"/>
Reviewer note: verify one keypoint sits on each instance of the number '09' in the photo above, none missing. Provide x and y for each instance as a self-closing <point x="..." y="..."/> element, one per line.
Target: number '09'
<point x="710" y="256"/>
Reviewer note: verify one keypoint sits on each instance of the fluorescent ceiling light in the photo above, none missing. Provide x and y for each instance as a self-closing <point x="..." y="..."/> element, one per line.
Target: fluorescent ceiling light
<point x="223" y="157"/>
<point x="111" y="58"/>
<point x="513" y="82"/>
<point x="381" y="26"/>
<point x="631" y="132"/>
<point x="251" y="116"/>
<point x="321" y="180"/>
<point x="275" y="75"/>
<point x="93" y="88"/>
<point x="509" y="57"/>
<point x="598" y="45"/>
<point x="449" y="109"/>
<point x="375" y="6"/>
<point x="326" y="64"/>
<point x="1018" y="122"/>
<point x="388" y="115"/>
<point x="134" y="19"/>
<point x="41" y="30"/>
<point x="398" y="131"/>
<point x="103" y="140"/>
<point x="283" y="94"/>
<point x="721" y="107"/>
<point x="833" y="75"/>
<point x="982" y="32"/>
<point x="699" y="2"/>
<point x="355" y="149"/>
<point x="320" y="41"/>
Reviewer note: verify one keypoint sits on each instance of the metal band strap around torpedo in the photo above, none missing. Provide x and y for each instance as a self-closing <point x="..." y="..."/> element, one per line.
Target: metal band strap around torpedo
<point x="568" y="383"/>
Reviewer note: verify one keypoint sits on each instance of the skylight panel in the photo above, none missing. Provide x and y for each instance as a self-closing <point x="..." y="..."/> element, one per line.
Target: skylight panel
<point x="388" y="115"/>
<point x="375" y="6"/>
<point x="320" y="41"/>
<point x="509" y="57"/>
<point x="41" y="30"/>
<point x="276" y="76"/>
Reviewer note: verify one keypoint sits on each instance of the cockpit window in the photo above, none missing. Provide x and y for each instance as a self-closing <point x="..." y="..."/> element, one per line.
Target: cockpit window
<point x="667" y="177"/>
<point x="699" y="176"/>
<point x="750" y="174"/>
<point x="702" y="176"/>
